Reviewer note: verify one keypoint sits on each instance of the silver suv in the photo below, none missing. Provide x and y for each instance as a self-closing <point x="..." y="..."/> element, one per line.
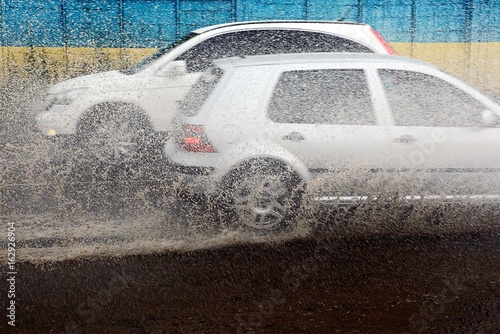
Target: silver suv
<point x="113" y="113"/>
<point x="255" y="132"/>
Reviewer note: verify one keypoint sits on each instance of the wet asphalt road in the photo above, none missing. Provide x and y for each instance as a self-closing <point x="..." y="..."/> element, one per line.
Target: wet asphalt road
<point x="424" y="284"/>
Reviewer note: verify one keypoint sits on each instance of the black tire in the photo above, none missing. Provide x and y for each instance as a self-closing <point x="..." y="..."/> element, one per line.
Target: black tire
<point x="114" y="134"/>
<point x="263" y="197"/>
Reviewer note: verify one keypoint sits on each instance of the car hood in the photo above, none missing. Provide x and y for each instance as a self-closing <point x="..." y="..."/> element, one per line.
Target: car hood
<point x="110" y="80"/>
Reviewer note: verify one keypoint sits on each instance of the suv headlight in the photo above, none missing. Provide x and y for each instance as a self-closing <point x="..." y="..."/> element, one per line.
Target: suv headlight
<point x="64" y="97"/>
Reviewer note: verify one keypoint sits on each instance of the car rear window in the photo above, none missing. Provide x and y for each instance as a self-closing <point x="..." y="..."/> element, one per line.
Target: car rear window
<point x="330" y="96"/>
<point x="198" y="94"/>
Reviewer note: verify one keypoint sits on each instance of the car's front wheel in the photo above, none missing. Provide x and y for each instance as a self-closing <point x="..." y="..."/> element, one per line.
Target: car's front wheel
<point x="114" y="136"/>
<point x="264" y="197"/>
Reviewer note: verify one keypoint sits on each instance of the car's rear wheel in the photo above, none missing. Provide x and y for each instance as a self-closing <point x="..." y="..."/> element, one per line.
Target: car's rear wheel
<point x="114" y="135"/>
<point x="262" y="197"/>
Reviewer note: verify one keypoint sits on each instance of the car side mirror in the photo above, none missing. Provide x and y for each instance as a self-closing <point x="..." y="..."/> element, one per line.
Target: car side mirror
<point x="174" y="69"/>
<point x="488" y="117"/>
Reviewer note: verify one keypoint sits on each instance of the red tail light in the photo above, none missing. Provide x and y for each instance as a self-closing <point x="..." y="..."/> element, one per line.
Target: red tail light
<point x="194" y="139"/>
<point x="386" y="45"/>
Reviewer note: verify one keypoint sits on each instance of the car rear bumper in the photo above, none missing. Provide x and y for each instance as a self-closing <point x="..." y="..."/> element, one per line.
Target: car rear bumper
<point x="194" y="184"/>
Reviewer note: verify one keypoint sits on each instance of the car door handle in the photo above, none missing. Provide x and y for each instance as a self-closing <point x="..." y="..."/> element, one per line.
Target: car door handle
<point x="293" y="136"/>
<point x="405" y="139"/>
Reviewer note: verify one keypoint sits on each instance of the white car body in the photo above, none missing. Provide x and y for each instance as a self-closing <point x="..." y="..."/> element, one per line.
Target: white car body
<point x="155" y="88"/>
<point x="341" y="163"/>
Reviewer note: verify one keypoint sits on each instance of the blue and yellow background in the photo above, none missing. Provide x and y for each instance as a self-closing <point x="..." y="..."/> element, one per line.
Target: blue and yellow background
<point x="71" y="36"/>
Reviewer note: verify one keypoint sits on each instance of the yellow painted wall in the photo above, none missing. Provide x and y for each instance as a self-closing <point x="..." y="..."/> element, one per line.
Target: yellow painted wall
<point x="66" y="62"/>
<point x="475" y="63"/>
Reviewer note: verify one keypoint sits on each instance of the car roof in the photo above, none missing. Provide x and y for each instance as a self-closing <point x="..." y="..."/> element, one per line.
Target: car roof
<point x="319" y="57"/>
<point x="273" y="24"/>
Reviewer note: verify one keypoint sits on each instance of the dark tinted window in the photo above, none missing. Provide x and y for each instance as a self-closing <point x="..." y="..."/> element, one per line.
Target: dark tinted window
<point x="418" y="99"/>
<point x="200" y="91"/>
<point x="333" y="96"/>
<point x="258" y="42"/>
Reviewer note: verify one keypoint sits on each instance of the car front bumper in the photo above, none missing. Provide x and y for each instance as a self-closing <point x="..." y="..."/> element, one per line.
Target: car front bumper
<point x="58" y="120"/>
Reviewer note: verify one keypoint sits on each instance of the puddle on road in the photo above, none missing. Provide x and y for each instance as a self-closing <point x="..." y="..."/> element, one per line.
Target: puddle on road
<point x="47" y="238"/>
<point x="62" y="212"/>
<point x="50" y="237"/>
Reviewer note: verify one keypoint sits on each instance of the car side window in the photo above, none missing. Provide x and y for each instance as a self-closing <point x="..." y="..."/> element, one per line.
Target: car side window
<point x="330" y="96"/>
<point x="418" y="99"/>
<point x="258" y="42"/>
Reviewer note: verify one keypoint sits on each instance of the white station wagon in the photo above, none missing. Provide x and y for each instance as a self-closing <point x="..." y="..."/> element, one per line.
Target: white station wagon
<point x="113" y="113"/>
<point x="254" y="132"/>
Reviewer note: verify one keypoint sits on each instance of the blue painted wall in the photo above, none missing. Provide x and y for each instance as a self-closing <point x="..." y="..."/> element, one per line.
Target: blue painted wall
<point x="154" y="23"/>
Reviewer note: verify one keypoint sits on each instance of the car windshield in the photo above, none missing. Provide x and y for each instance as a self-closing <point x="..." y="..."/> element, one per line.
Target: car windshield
<point x="158" y="54"/>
